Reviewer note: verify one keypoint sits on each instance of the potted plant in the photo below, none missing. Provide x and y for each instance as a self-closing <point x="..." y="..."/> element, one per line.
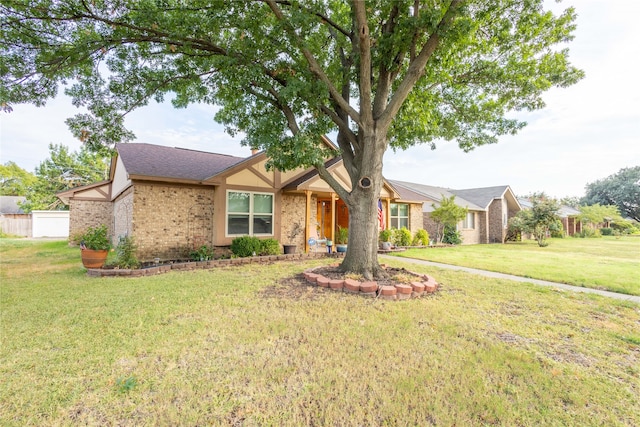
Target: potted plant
<point x="385" y="239"/>
<point x="295" y="230"/>
<point x="342" y="237"/>
<point x="94" y="246"/>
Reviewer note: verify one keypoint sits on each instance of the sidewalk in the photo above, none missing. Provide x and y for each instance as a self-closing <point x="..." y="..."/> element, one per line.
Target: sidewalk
<point x="495" y="275"/>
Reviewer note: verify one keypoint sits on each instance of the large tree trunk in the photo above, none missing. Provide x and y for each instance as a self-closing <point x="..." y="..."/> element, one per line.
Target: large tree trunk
<point x="362" y="251"/>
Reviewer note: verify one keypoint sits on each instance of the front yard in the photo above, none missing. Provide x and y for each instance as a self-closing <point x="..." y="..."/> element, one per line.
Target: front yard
<point x="254" y="346"/>
<point x="608" y="263"/>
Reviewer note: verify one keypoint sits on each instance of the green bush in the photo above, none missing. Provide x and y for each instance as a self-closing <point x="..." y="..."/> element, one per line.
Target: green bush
<point x="245" y="246"/>
<point x="421" y="238"/>
<point x="451" y="235"/>
<point x="203" y="253"/>
<point x="588" y="232"/>
<point x="385" y="235"/>
<point x="606" y="231"/>
<point x="269" y="247"/>
<point x="401" y="237"/>
<point x="95" y="238"/>
<point x="126" y="253"/>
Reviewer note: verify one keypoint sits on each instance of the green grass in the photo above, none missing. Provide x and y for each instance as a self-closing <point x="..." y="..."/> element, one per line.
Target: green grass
<point x="607" y="263"/>
<point x="250" y="346"/>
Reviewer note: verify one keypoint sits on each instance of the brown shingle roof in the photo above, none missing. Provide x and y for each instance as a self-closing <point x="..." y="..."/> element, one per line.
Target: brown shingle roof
<point x="169" y="162"/>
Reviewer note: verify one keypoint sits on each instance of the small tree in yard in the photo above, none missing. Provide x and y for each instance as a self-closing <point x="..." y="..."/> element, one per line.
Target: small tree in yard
<point x="448" y="214"/>
<point x="538" y="221"/>
<point x="378" y="73"/>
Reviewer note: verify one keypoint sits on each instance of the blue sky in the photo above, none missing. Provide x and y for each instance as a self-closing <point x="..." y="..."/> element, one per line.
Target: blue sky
<point x="586" y="132"/>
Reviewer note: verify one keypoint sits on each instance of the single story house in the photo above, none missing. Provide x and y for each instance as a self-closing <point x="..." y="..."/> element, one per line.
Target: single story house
<point x="569" y="216"/>
<point x="489" y="209"/>
<point x="174" y="200"/>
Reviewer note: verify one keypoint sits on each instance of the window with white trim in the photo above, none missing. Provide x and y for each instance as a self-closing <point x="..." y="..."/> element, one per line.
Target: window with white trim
<point x="249" y="213"/>
<point x="469" y="221"/>
<point x="399" y="215"/>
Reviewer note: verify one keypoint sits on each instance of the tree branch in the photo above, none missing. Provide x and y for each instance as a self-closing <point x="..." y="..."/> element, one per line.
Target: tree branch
<point x="416" y="68"/>
<point x="364" y="49"/>
<point x="314" y="67"/>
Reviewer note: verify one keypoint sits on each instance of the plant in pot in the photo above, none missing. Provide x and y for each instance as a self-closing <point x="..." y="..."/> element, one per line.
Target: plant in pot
<point x="385" y="239"/>
<point x="342" y="237"/>
<point x="94" y="246"/>
<point x="295" y="230"/>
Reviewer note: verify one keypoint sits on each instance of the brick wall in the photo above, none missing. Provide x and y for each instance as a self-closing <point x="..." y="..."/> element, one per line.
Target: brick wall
<point x="496" y="229"/>
<point x="415" y="218"/>
<point x="482" y="225"/>
<point x="430" y="225"/>
<point x="123" y="215"/>
<point x="88" y="213"/>
<point x="171" y="220"/>
<point x="293" y="214"/>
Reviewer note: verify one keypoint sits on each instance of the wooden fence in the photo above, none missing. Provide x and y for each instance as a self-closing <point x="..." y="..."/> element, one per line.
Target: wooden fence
<point x="16" y="224"/>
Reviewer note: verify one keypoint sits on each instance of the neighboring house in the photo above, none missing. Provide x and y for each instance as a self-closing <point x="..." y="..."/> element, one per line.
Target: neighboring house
<point x="173" y="200"/>
<point x="570" y="217"/>
<point x="489" y="209"/>
<point x="13" y="220"/>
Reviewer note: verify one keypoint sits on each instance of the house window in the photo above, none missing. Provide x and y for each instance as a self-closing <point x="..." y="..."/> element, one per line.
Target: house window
<point x="470" y="221"/>
<point x="399" y="215"/>
<point x="249" y="213"/>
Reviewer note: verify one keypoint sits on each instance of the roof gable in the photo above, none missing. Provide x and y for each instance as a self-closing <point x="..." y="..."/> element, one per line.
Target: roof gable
<point x="482" y="196"/>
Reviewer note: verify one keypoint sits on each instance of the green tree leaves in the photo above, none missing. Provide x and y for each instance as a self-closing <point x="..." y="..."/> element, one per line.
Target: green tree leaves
<point x="621" y="189"/>
<point x="61" y="171"/>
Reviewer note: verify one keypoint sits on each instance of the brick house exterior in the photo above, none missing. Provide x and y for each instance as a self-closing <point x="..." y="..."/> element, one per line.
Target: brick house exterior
<point x="173" y="200"/>
<point x="489" y="209"/>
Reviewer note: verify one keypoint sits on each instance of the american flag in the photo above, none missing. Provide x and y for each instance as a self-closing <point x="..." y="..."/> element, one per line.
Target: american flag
<point x="380" y="215"/>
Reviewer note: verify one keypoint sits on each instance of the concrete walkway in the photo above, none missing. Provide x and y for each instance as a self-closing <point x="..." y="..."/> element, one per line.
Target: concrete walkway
<point x="495" y="275"/>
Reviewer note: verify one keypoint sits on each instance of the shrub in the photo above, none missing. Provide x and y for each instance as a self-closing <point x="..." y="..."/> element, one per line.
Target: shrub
<point x="421" y="238"/>
<point x="269" y="247"/>
<point x="95" y="238"/>
<point x="401" y="237"/>
<point x="385" y="235"/>
<point x="203" y="253"/>
<point x="342" y="236"/>
<point x="245" y="246"/>
<point x="588" y="232"/>
<point x="606" y="231"/>
<point x="126" y="253"/>
<point x="451" y="235"/>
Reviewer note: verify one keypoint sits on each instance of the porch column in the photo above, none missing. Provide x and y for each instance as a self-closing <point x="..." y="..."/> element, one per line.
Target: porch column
<point x="333" y="216"/>
<point x="307" y="221"/>
<point x="387" y="214"/>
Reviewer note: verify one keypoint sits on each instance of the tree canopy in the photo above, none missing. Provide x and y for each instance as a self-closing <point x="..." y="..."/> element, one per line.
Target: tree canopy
<point x="14" y="180"/>
<point x="621" y="189"/>
<point x="540" y="220"/>
<point x="61" y="171"/>
<point x="377" y="73"/>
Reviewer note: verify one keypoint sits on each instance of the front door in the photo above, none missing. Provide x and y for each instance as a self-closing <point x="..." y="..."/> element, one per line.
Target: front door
<point x="325" y="226"/>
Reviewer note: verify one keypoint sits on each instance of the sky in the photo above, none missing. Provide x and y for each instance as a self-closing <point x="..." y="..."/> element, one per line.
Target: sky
<point x="586" y="132"/>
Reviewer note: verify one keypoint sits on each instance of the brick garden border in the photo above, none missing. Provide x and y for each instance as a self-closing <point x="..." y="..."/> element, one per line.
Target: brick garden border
<point x="196" y="265"/>
<point x="424" y="285"/>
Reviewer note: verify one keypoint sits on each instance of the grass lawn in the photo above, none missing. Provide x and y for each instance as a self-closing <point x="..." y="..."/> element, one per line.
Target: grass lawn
<point x="607" y="263"/>
<point x="248" y="345"/>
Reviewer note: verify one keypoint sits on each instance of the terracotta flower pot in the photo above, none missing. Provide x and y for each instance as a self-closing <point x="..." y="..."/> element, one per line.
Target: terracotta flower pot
<point x="93" y="258"/>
